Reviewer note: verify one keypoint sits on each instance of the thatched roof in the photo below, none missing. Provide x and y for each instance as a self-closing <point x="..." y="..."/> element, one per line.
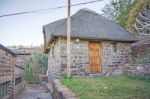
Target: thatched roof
<point x="87" y="24"/>
<point x="7" y="50"/>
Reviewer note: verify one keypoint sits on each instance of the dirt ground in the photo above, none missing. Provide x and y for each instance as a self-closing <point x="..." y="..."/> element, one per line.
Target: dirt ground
<point x="33" y="92"/>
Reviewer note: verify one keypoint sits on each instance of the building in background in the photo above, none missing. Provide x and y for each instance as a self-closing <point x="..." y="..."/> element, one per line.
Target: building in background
<point x="24" y="52"/>
<point x="32" y="59"/>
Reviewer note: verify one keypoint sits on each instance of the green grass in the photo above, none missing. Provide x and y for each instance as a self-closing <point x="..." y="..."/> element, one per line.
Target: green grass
<point x="122" y="87"/>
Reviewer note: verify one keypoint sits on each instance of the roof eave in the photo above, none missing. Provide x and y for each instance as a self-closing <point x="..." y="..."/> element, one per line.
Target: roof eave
<point x="48" y="43"/>
<point x="92" y="38"/>
<point x="7" y="50"/>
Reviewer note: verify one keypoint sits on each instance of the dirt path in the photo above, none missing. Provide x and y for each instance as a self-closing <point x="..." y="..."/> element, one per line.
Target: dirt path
<point x="33" y="92"/>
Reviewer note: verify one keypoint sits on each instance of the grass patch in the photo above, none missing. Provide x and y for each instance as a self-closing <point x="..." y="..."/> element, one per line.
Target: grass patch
<point x="122" y="87"/>
<point x="140" y="78"/>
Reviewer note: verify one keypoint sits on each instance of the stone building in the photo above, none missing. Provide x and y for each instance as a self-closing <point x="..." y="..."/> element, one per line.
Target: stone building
<point x="98" y="46"/>
<point x="9" y="83"/>
<point x="7" y="65"/>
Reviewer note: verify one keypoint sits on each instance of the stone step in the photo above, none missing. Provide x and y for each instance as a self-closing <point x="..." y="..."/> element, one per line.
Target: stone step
<point x="97" y="75"/>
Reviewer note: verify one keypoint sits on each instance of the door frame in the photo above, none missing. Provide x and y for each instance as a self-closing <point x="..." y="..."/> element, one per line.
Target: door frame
<point x="100" y="56"/>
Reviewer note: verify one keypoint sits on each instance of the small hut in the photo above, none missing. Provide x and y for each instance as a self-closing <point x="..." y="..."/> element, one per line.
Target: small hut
<point x="98" y="45"/>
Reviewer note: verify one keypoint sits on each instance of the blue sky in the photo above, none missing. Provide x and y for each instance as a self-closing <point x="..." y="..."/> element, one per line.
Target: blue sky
<point x="26" y="29"/>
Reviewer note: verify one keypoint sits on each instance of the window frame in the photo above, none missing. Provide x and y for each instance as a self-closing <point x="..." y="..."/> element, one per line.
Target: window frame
<point x="18" y="80"/>
<point x="4" y="88"/>
<point x="114" y="47"/>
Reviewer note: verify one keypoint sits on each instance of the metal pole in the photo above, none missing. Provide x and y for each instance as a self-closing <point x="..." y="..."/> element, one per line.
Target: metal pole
<point x="68" y="41"/>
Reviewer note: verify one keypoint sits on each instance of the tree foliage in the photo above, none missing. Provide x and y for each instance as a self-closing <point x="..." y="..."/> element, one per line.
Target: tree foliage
<point x="112" y="10"/>
<point x="135" y="17"/>
<point x="28" y="73"/>
<point x="142" y="21"/>
<point x="36" y="64"/>
<point x="39" y="62"/>
<point x="127" y="18"/>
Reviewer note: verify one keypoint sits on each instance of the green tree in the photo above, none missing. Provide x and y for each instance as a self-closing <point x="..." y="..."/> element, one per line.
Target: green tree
<point x="37" y="63"/>
<point x="135" y="15"/>
<point x="28" y="73"/>
<point x="112" y="10"/>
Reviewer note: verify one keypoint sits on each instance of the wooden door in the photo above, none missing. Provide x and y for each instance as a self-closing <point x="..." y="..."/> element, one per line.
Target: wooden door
<point x="94" y="57"/>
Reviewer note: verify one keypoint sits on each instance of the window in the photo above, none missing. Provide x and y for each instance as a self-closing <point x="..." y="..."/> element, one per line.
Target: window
<point x="114" y="47"/>
<point x="4" y="89"/>
<point x="18" y="80"/>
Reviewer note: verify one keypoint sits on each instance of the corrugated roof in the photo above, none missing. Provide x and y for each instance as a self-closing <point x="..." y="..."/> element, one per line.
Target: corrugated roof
<point x="7" y="50"/>
<point x="88" y="24"/>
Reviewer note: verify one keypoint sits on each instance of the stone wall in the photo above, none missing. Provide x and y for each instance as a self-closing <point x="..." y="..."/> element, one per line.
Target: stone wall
<point x="80" y="57"/>
<point x="19" y="72"/>
<point x="19" y="88"/>
<point x="60" y="91"/>
<point x="7" y="64"/>
<point x="116" y="59"/>
<point x="137" y="69"/>
<point x="54" y="61"/>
